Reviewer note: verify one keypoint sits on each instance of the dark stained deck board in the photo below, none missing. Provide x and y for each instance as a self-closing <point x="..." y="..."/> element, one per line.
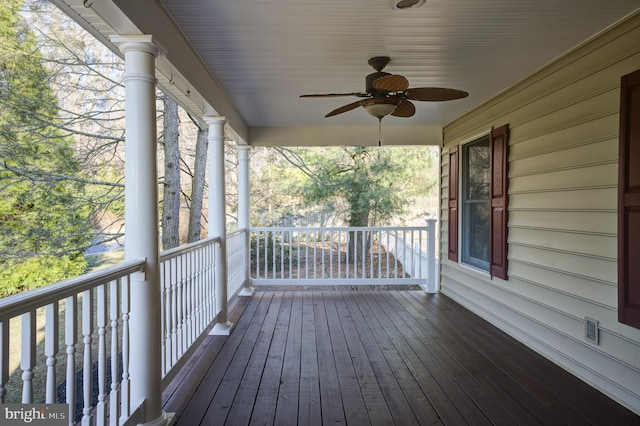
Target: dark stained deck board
<point x="189" y="398"/>
<point x="373" y="397"/>
<point x="420" y="405"/>
<point x="478" y="391"/>
<point x="309" y="412"/>
<point x="485" y="401"/>
<point x="247" y="364"/>
<point x="489" y="376"/>
<point x="553" y="387"/>
<point x="440" y="402"/>
<point x="287" y="402"/>
<point x="330" y="395"/>
<point x="375" y="357"/>
<point x="396" y="400"/>
<point x="449" y="399"/>
<point x="561" y="392"/>
<point x="197" y="406"/>
<point x="267" y="396"/>
<point x="355" y="411"/>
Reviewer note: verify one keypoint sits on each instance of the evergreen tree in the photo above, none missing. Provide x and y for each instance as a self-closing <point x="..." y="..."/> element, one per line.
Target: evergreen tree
<point x="367" y="186"/>
<point x="43" y="227"/>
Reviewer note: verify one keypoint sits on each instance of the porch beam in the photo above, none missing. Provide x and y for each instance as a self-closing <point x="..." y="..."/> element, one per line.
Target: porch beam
<point x="218" y="218"/>
<point x="141" y="220"/>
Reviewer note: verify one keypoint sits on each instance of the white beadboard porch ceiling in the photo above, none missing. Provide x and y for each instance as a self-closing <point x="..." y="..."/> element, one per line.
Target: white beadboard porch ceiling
<point x="264" y="54"/>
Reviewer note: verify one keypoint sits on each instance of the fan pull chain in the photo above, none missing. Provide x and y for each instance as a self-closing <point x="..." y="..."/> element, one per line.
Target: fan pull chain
<point x="379" y="131"/>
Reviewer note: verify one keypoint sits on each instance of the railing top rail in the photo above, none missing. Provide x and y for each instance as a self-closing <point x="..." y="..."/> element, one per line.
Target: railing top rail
<point x="21" y="303"/>
<point x="236" y="232"/>
<point x="177" y="251"/>
<point x="337" y="228"/>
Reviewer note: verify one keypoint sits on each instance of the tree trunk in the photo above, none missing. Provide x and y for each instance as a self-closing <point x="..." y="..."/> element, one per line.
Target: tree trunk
<point x="197" y="185"/>
<point x="171" y="194"/>
<point x="361" y="243"/>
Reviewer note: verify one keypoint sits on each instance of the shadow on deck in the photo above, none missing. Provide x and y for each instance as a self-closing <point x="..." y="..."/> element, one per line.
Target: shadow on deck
<point x="375" y="357"/>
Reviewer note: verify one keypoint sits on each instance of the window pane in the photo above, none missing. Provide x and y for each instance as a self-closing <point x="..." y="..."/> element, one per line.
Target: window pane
<point x="476" y="251"/>
<point x="477" y="187"/>
<point x="475" y="203"/>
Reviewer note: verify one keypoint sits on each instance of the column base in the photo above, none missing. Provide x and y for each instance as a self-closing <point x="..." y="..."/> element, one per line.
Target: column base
<point x="165" y="419"/>
<point x="246" y="291"/>
<point x="221" y="329"/>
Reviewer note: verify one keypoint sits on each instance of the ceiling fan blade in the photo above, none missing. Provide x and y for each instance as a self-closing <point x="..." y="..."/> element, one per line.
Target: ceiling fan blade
<point x="333" y="95"/>
<point x="391" y="83"/>
<point x="404" y="108"/>
<point x="435" y="94"/>
<point x="343" y="108"/>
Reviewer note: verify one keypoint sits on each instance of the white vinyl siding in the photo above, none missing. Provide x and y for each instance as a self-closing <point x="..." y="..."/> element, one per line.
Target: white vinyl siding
<point x="562" y="213"/>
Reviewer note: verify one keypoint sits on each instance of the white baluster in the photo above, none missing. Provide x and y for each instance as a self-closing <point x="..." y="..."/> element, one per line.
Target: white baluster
<point x="175" y="321"/>
<point x="380" y="253"/>
<point x="4" y="358"/>
<point x="70" y="340"/>
<point x="282" y="240"/>
<point x="101" y="407"/>
<point x="370" y="253"/>
<point x="125" y="386"/>
<point x="212" y="281"/>
<point x="200" y="300"/>
<point x="165" y="281"/>
<point x="52" y="333"/>
<point x="114" y="310"/>
<point x="339" y="254"/>
<point x="306" y="253"/>
<point x="87" y="369"/>
<point x="28" y="355"/>
<point x="180" y="305"/>
<point x="432" y="281"/>
<point x="388" y="249"/>
<point x="186" y="297"/>
<point x="258" y="255"/>
<point x="193" y="321"/>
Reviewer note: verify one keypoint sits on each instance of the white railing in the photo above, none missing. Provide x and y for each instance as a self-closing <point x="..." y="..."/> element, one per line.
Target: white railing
<point x="343" y="256"/>
<point x="236" y="260"/>
<point x="187" y="275"/>
<point x="72" y="314"/>
<point x="81" y="326"/>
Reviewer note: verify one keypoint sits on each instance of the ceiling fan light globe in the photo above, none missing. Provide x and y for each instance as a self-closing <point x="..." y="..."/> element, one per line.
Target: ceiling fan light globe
<point x="379" y="110"/>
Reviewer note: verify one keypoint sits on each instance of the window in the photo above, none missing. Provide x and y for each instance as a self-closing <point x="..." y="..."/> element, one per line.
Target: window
<point x="629" y="202"/>
<point x="475" y="203"/>
<point x="483" y="202"/>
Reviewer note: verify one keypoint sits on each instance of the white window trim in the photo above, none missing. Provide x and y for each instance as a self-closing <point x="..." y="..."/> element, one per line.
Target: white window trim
<point x="461" y="263"/>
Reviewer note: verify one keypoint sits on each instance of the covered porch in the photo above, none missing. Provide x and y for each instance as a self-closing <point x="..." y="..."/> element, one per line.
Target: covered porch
<point x="374" y="357"/>
<point x="358" y="357"/>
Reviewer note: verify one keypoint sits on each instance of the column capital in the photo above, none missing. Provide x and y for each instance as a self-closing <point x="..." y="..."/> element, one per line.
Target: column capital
<point x="217" y="119"/>
<point x="243" y="147"/>
<point x="137" y="42"/>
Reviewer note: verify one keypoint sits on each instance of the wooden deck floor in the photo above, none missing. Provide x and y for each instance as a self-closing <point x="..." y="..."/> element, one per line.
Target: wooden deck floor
<point x="375" y="357"/>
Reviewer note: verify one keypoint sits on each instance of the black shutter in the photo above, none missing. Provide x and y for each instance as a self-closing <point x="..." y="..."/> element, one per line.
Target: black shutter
<point x="629" y="202"/>
<point x="453" y="203"/>
<point x="498" y="200"/>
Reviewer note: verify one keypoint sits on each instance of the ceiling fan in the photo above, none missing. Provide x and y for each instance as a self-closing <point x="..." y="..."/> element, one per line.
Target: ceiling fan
<point x="387" y="93"/>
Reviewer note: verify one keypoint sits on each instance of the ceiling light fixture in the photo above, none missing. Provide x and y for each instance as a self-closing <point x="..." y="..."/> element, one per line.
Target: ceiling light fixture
<point x="406" y="4"/>
<point x="379" y="108"/>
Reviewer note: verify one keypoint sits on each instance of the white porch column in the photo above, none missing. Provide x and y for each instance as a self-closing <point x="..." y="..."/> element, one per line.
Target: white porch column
<point x="217" y="218"/>
<point x="243" y="214"/>
<point x="432" y="280"/>
<point x="141" y="221"/>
